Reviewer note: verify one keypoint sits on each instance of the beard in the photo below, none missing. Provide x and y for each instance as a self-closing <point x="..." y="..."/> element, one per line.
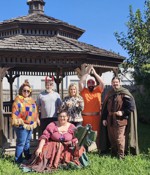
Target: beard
<point x="91" y="88"/>
<point x="116" y="87"/>
<point x="48" y="90"/>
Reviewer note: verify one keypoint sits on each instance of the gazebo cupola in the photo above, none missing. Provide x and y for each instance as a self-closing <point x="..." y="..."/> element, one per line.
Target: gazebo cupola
<point x="36" y="6"/>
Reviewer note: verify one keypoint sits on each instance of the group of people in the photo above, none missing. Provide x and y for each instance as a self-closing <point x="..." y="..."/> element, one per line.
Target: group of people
<point x="113" y="121"/>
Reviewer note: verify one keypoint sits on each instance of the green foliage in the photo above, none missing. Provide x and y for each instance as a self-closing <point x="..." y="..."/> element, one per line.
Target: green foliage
<point x="137" y="43"/>
<point x="143" y="105"/>
<point x="137" y="39"/>
<point x="144" y="141"/>
<point x="144" y="76"/>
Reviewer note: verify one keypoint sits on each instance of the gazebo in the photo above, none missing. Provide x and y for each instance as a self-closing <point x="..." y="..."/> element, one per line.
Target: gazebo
<point x="39" y="45"/>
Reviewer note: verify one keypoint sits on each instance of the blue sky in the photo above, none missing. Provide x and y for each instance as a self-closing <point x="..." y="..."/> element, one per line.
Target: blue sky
<point x="99" y="18"/>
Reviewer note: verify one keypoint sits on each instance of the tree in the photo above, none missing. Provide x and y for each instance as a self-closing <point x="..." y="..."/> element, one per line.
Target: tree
<point x="137" y="43"/>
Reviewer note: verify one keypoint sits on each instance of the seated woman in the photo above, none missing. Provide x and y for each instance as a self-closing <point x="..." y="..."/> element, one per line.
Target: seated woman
<point x="58" y="147"/>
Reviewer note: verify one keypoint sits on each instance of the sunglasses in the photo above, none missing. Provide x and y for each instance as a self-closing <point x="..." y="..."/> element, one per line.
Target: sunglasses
<point x="24" y="90"/>
<point x="62" y="116"/>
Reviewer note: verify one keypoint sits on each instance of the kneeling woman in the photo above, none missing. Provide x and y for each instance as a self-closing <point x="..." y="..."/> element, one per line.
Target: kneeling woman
<point x="58" y="147"/>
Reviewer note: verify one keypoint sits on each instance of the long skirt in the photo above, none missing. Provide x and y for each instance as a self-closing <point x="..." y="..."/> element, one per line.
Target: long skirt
<point x="54" y="155"/>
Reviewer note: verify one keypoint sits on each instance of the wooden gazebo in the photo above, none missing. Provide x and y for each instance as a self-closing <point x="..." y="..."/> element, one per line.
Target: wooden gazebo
<point x="40" y="45"/>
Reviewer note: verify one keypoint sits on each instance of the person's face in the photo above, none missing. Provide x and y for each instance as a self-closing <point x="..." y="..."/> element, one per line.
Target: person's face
<point x="63" y="118"/>
<point x="90" y="88"/>
<point x="26" y="91"/>
<point x="73" y="91"/>
<point x="115" y="84"/>
<point x="49" y="85"/>
<point x="90" y="85"/>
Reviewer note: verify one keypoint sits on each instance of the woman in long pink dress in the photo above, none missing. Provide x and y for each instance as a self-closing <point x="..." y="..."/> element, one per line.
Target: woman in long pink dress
<point x="57" y="147"/>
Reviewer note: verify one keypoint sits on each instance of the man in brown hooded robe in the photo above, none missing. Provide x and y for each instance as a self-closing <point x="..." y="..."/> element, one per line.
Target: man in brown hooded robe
<point x="119" y="122"/>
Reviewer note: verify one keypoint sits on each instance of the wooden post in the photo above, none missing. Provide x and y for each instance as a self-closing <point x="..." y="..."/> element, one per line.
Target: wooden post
<point x="2" y="134"/>
<point x="11" y="79"/>
<point x="59" y="79"/>
<point x="62" y="89"/>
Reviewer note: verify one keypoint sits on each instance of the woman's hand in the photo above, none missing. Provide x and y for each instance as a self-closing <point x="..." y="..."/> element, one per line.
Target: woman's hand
<point x="68" y="143"/>
<point x="38" y="121"/>
<point x="38" y="152"/>
<point x="69" y="104"/>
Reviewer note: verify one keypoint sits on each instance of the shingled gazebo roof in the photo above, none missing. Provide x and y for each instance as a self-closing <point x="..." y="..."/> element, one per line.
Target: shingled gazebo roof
<point x="39" y="43"/>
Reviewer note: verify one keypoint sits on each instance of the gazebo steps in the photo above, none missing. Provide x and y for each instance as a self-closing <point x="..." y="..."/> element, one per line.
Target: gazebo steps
<point x="11" y="151"/>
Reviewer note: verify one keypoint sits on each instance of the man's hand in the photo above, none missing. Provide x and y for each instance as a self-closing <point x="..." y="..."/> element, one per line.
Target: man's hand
<point x="119" y="113"/>
<point x="89" y="68"/>
<point x="93" y="71"/>
<point x="105" y="122"/>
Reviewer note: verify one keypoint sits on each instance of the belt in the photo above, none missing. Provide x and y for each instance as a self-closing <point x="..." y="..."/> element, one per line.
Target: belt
<point x="90" y="113"/>
<point x="112" y="113"/>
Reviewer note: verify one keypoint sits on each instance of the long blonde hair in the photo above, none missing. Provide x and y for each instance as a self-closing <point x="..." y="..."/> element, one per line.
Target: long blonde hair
<point x="73" y="85"/>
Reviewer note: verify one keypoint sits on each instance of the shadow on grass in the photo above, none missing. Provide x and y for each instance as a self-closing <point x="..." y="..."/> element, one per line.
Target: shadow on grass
<point x="10" y="158"/>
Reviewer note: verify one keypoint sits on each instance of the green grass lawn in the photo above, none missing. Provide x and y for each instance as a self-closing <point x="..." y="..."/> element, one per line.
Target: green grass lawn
<point x="132" y="165"/>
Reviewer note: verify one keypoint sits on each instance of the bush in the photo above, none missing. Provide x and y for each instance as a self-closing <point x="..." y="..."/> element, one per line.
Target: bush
<point x="143" y="105"/>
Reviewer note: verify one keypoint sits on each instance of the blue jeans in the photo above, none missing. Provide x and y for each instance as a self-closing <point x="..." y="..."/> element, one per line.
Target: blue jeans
<point x="22" y="143"/>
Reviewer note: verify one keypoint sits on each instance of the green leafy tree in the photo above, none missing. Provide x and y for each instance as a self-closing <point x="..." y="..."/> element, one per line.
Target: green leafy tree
<point x="137" y="44"/>
<point x="137" y="41"/>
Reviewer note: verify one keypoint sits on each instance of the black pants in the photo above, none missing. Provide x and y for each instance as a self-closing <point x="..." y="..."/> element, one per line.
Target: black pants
<point x="77" y="123"/>
<point x="44" y="122"/>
